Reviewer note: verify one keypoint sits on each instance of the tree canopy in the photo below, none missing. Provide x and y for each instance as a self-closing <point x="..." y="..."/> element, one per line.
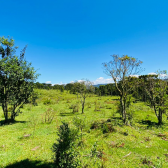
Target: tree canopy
<point x="17" y="79"/>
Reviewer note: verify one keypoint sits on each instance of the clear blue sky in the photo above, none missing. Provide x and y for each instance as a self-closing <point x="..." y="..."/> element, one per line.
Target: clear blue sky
<point x="69" y="40"/>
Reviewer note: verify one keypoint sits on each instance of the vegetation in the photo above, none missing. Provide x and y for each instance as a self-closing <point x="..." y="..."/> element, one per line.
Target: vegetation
<point x="83" y="88"/>
<point x="65" y="154"/>
<point x="156" y="88"/>
<point x="16" y="79"/>
<point x="103" y="139"/>
<point x="123" y="124"/>
<point x="121" y="69"/>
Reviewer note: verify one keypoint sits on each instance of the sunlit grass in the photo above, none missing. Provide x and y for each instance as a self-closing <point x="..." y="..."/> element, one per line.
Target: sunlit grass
<point x="30" y="138"/>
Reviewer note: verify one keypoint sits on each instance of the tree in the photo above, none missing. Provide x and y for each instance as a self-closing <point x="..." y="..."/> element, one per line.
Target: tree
<point x="16" y="79"/>
<point x="83" y="88"/>
<point x="156" y="87"/>
<point x="121" y="69"/>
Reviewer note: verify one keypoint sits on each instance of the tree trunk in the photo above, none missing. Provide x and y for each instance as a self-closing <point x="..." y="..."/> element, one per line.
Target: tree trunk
<point x="12" y="117"/>
<point x="83" y="105"/>
<point x="123" y="106"/>
<point x="13" y="114"/>
<point x="5" y="111"/>
<point x="160" y="117"/>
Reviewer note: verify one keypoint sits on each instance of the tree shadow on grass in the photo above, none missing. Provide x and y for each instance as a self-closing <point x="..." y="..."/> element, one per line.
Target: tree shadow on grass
<point x="3" y="123"/>
<point x="116" y="118"/>
<point x="68" y="114"/>
<point x="117" y="121"/>
<point x="30" y="164"/>
<point x="149" y="123"/>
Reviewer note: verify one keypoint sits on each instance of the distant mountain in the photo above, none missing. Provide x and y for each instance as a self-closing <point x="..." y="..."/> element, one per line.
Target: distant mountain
<point x="100" y="84"/>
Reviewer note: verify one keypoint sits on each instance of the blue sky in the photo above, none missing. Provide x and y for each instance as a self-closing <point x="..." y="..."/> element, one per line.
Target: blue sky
<point x="69" y="40"/>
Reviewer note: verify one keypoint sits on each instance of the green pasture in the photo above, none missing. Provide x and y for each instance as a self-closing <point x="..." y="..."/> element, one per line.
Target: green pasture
<point x="28" y="141"/>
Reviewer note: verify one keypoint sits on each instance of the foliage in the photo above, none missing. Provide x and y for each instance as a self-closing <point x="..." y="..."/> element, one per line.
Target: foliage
<point x="121" y="70"/>
<point x="155" y="88"/>
<point x="65" y="154"/>
<point x="33" y="98"/>
<point x="16" y="79"/>
<point x="83" y="88"/>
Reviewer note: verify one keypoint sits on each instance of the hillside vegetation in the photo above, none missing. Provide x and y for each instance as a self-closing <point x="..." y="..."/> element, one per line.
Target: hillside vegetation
<point x="103" y="141"/>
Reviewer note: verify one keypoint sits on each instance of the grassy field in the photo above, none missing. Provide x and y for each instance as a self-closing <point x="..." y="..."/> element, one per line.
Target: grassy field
<point x="28" y="141"/>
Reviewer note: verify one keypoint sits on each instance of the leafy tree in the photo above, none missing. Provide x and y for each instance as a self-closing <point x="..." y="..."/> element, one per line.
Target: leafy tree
<point x="83" y="88"/>
<point x="155" y="88"/>
<point x="16" y="79"/>
<point x="121" y="69"/>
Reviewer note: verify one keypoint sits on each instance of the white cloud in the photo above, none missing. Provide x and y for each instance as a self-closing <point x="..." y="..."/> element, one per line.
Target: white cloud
<point x="160" y="75"/>
<point x="80" y="81"/>
<point x="134" y="76"/>
<point x="163" y="75"/>
<point x="152" y="73"/>
<point x="61" y="83"/>
<point x="102" y="80"/>
<point x="48" y="82"/>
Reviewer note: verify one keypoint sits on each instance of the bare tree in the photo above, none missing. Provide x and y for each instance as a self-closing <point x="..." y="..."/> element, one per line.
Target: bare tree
<point x="121" y="69"/>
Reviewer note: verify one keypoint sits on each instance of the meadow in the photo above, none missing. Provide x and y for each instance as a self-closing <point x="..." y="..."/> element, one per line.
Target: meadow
<point x="104" y="141"/>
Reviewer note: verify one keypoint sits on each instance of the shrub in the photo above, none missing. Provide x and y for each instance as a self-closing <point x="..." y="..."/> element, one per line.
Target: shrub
<point x="64" y="149"/>
<point x="48" y="116"/>
<point x="68" y="101"/>
<point x="89" y="104"/>
<point x="80" y="124"/>
<point x="95" y="125"/>
<point x="75" y="107"/>
<point x="108" y="106"/>
<point x="47" y="101"/>
<point x="107" y="127"/>
<point x="97" y="106"/>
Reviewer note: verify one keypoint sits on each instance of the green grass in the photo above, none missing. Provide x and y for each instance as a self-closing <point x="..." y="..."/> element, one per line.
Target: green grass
<point x="128" y="146"/>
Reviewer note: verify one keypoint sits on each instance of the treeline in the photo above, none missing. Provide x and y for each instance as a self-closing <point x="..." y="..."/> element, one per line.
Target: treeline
<point x="102" y="90"/>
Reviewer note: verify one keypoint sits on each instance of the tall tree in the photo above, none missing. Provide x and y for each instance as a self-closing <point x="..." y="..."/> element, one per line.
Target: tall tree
<point x="16" y="79"/>
<point x="121" y="69"/>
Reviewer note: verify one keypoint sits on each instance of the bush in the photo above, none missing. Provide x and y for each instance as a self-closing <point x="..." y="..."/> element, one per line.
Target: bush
<point x="47" y="101"/>
<point x="75" y="107"/>
<point x="97" y="106"/>
<point x="68" y="101"/>
<point x="108" y="106"/>
<point x="64" y="149"/>
<point x="89" y="105"/>
<point x="95" y="125"/>
<point x="48" y="116"/>
<point x="107" y="127"/>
